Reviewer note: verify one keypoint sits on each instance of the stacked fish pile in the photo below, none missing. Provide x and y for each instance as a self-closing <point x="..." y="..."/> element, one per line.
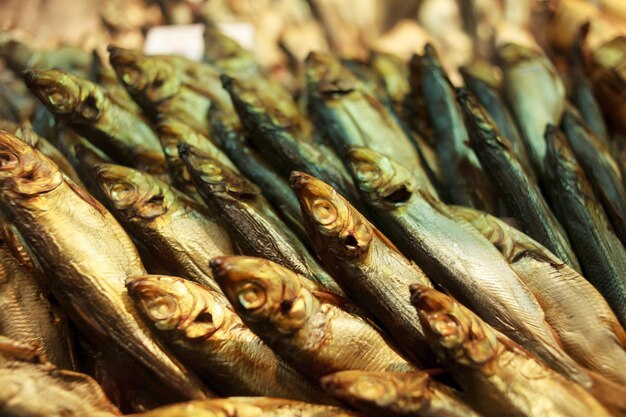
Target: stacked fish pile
<point x="191" y="239"/>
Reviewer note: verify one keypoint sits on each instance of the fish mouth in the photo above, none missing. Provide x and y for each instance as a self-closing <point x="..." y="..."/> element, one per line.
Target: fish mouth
<point x="307" y="186"/>
<point x="428" y="300"/>
<point x="511" y="54"/>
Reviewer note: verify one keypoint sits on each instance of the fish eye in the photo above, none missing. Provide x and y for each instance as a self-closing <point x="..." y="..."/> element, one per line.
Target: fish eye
<point x="56" y="98"/>
<point x="377" y="389"/>
<point x="121" y="191"/>
<point x="89" y="108"/>
<point x="324" y="211"/>
<point x="157" y="83"/>
<point x="132" y="77"/>
<point x="368" y="172"/>
<point x="252" y="296"/>
<point x="162" y="309"/>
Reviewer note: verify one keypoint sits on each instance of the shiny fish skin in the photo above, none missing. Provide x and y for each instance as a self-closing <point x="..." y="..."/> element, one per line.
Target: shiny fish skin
<point x="247" y="407"/>
<point x="499" y="376"/>
<point x="84" y="106"/>
<point x="394" y="394"/>
<point x="521" y="195"/>
<point x="580" y="316"/>
<point x="535" y="93"/>
<point x="90" y="254"/>
<point x="371" y="270"/>
<point x="601" y="254"/>
<point x="457" y="257"/>
<point x="308" y="332"/>
<point x="202" y="328"/>
<point x="33" y="387"/>
<point x="252" y="223"/>
<point x="582" y="88"/>
<point x="272" y="124"/>
<point x="180" y="236"/>
<point x="463" y="177"/>
<point x="480" y="79"/>
<point x="602" y="170"/>
<point x="349" y="116"/>
<point x="173" y="132"/>
<point x="156" y="85"/>
<point x="27" y="315"/>
<point x="230" y="135"/>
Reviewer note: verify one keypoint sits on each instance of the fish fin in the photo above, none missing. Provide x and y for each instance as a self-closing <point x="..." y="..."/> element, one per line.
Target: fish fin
<point x="85" y="196"/>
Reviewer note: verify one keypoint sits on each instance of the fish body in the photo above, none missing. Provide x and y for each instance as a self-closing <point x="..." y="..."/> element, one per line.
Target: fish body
<point x="180" y="236"/>
<point x="27" y="315"/>
<point x="464" y="179"/>
<point x="455" y="256"/>
<point x="521" y="195"/>
<point x="349" y="116"/>
<point x="394" y="394"/>
<point x="202" y="328"/>
<point x="85" y="107"/>
<point x="247" y="407"/>
<point x="35" y="388"/>
<point x="90" y="255"/>
<point x="535" y="93"/>
<point x="252" y="223"/>
<point x="601" y="169"/>
<point x="499" y="376"/>
<point x="601" y="253"/>
<point x="309" y="333"/>
<point x="366" y="264"/>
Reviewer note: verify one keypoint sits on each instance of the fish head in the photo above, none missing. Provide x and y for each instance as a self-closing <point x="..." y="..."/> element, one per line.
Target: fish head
<point x="381" y="388"/>
<point x="512" y="54"/>
<point x="263" y="292"/>
<point x="384" y="182"/>
<point x="214" y="177"/>
<point x="150" y="79"/>
<point x="24" y="171"/>
<point x="327" y="77"/>
<point x="136" y="195"/>
<point x="333" y="224"/>
<point x="460" y="336"/>
<point x="176" y="304"/>
<point x="67" y="95"/>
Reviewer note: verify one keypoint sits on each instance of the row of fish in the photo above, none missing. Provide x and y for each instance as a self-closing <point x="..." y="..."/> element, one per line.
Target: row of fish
<point x="384" y="243"/>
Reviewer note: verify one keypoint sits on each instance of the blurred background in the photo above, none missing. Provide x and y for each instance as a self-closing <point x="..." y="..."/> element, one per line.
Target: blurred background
<point x="348" y="27"/>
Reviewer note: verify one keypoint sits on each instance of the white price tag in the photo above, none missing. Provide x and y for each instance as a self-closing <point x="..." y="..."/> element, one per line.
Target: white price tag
<point x="185" y="40"/>
<point x="242" y="32"/>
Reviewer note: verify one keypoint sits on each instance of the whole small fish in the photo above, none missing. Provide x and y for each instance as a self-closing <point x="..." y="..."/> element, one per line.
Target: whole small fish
<point x="499" y="376"/>
<point x="521" y="195"/>
<point x="85" y="107"/>
<point x="584" y="322"/>
<point x="34" y="387"/>
<point x="606" y="73"/>
<point x="90" y="255"/>
<point x="303" y="327"/>
<point x="252" y="223"/>
<point x="273" y="126"/>
<point x="395" y="394"/>
<point x="535" y="93"/>
<point x="202" y="328"/>
<point x="481" y="80"/>
<point x="463" y="178"/>
<point x="173" y="132"/>
<point x="247" y="407"/>
<point x="601" y="253"/>
<point x="349" y="116"/>
<point x="180" y="236"/>
<point x="157" y="86"/>
<point x="454" y="255"/>
<point x="230" y="135"/>
<point x="27" y="315"/>
<point x="371" y="270"/>
<point x="226" y="54"/>
<point x="601" y="169"/>
<point x="582" y="88"/>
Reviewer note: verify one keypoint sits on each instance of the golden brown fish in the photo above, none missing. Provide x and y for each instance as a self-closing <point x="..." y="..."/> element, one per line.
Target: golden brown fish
<point x="91" y="256"/>
<point x="302" y="325"/>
